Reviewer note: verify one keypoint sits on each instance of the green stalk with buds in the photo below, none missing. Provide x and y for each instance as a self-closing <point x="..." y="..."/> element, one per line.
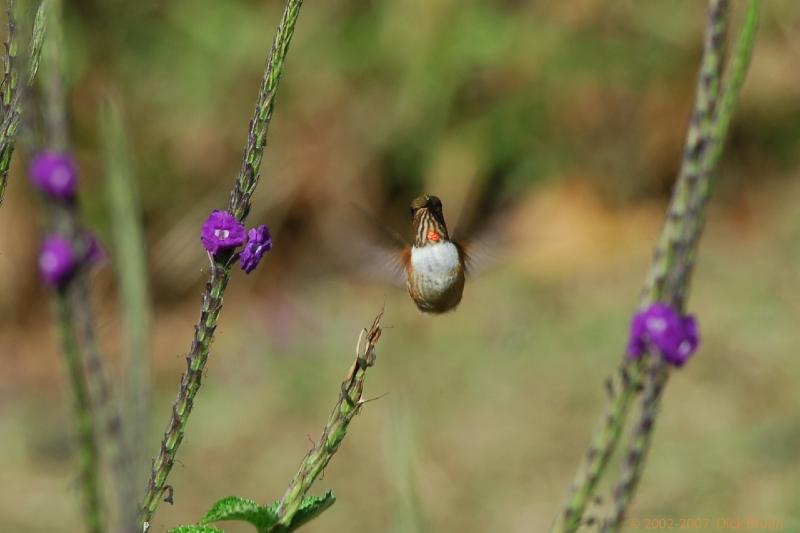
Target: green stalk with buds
<point x="220" y="270"/>
<point x="97" y="420"/>
<point x="668" y="277"/>
<point x="11" y="93"/>
<point x="296" y="508"/>
<point x="713" y="128"/>
<point x="348" y="406"/>
<point x="88" y="453"/>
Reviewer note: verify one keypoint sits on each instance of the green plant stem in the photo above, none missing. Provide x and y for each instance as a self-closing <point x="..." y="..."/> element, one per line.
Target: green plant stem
<point x="131" y="267"/>
<point x="219" y="274"/>
<point x="52" y="82"/>
<point x="10" y="73"/>
<point x="88" y="456"/>
<point x="690" y="187"/>
<point x="347" y="407"/>
<point x="107" y="413"/>
<point x="409" y="516"/>
<point x="12" y="93"/>
<point x="247" y="180"/>
<point x="666" y="277"/>
<point x="36" y="44"/>
<point x="601" y="447"/>
<point x="190" y="384"/>
<point x="714" y="132"/>
<point x="634" y="459"/>
<point x="64" y="219"/>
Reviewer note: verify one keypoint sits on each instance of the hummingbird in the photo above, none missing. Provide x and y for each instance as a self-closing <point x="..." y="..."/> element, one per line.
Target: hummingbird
<point x="434" y="265"/>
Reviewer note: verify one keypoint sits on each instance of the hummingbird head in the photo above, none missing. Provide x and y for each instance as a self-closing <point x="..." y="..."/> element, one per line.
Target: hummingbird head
<point x="428" y="221"/>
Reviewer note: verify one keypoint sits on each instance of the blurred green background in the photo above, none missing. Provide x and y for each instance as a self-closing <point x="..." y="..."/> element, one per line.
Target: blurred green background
<point x="574" y="113"/>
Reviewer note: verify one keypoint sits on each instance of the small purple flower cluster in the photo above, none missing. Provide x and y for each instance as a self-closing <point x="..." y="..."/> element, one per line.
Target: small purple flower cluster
<point x="57" y="259"/>
<point x="56" y="175"/>
<point x="675" y="337"/>
<point x="222" y="232"/>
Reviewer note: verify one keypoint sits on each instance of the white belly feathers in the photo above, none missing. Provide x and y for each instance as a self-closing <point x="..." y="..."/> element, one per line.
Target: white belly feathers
<point x="435" y="266"/>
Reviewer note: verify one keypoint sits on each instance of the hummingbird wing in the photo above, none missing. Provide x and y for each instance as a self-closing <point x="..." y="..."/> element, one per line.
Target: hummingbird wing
<point x="379" y="253"/>
<point x="481" y="232"/>
<point x="480" y="255"/>
<point x="393" y="238"/>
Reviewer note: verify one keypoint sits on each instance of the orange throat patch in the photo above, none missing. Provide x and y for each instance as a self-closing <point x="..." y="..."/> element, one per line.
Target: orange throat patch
<point x="433" y="236"/>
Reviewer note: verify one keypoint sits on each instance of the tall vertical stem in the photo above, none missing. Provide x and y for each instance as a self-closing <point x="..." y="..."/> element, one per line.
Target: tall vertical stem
<point x="88" y="456"/>
<point x="190" y="384"/>
<point x="346" y="408"/>
<point x="131" y="267"/>
<point x="219" y="274"/>
<point x="11" y="91"/>
<point x="74" y="298"/>
<point x="668" y="276"/>
<point x="713" y="127"/>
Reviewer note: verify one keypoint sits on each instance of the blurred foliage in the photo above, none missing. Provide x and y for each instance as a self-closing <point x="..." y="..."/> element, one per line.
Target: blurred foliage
<point x="533" y="90"/>
<point x="384" y="100"/>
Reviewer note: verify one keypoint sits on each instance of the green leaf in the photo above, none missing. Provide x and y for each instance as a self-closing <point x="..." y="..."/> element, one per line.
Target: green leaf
<point x="195" y="529"/>
<point x="311" y="508"/>
<point x="236" y="508"/>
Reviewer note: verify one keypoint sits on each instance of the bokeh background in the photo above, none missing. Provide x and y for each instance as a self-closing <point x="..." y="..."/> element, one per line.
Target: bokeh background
<point x="574" y="113"/>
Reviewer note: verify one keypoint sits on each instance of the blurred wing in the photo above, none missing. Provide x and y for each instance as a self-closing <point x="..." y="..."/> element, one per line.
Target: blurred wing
<point x="482" y="230"/>
<point x="484" y="252"/>
<point x="378" y="253"/>
<point x="390" y="237"/>
<point x="473" y="266"/>
<point x="381" y="265"/>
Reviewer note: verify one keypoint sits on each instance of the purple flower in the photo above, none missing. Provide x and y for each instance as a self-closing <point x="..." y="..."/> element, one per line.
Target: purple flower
<point x="221" y="231"/>
<point x="55" y="174"/>
<point x="664" y="327"/>
<point x="259" y="242"/>
<point x="675" y="337"/>
<point x="688" y="344"/>
<point x="56" y="261"/>
<point x="636" y="342"/>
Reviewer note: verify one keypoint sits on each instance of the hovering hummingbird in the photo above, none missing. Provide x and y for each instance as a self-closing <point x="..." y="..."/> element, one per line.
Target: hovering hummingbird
<point x="434" y="265"/>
